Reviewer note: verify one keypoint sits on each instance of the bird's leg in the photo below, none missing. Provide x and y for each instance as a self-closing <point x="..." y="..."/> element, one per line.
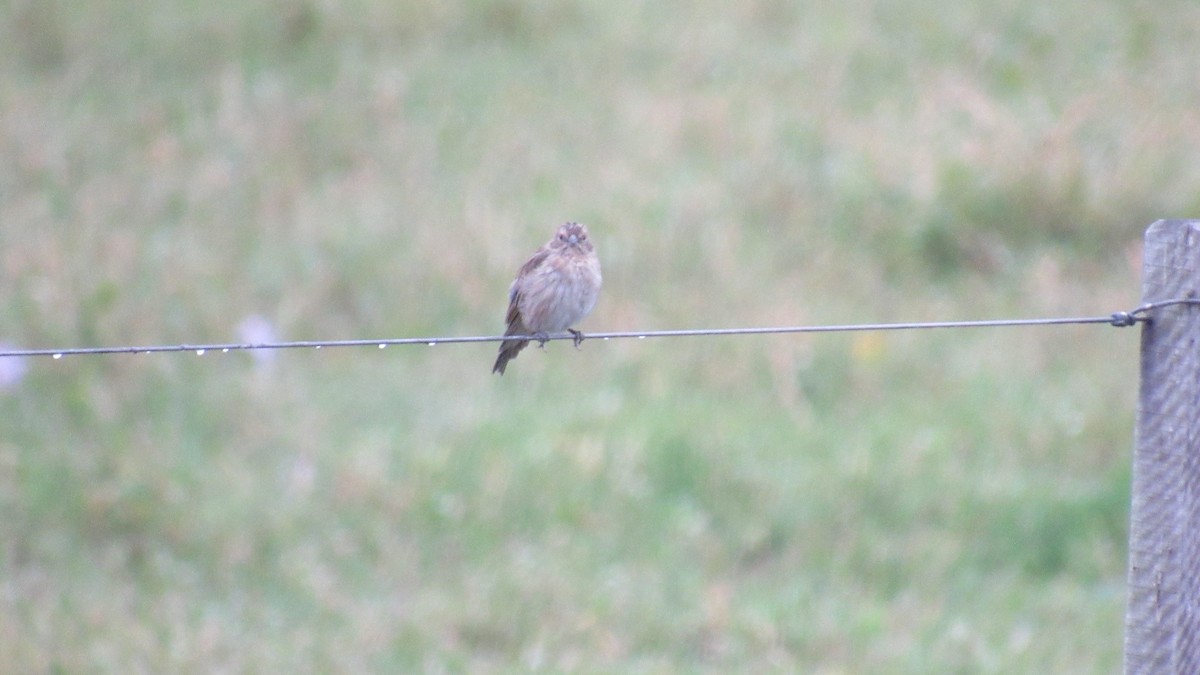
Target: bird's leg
<point x="578" y="335"/>
<point x="541" y="336"/>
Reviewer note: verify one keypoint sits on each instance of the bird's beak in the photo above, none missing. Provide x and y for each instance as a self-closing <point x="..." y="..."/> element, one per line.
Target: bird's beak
<point x="573" y="239"/>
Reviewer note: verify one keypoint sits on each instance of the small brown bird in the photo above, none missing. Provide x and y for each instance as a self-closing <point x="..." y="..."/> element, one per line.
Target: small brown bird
<point x="554" y="289"/>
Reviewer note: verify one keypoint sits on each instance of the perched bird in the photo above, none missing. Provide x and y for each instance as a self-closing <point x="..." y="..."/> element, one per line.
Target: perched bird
<point x="554" y="289"/>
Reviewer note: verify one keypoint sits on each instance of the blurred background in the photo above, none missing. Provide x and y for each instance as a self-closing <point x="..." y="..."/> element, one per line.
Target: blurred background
<point x="949" y="501"/>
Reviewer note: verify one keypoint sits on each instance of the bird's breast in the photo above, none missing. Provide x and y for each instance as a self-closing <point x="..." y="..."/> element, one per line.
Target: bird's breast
<point x="560" y="295"/>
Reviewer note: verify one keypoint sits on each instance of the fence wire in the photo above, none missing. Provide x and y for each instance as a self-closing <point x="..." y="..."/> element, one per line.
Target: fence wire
<point x="1142" y="313"/>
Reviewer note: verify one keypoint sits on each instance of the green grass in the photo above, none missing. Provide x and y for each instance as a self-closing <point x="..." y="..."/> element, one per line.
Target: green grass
<point x="905" y="503"/>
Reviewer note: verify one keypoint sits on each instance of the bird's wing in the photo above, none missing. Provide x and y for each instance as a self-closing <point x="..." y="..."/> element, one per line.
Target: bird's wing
<point x="513" y="318"/>
<point x="535" y="261"/>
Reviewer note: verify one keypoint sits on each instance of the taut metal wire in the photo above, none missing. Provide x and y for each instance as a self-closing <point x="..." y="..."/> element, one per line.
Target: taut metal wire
<point x="1120" y="319"/>
<point x="1123" y="318"/>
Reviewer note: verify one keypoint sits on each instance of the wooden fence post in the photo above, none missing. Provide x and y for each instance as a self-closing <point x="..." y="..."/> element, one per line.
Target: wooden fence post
<point x="1162" y="619"/>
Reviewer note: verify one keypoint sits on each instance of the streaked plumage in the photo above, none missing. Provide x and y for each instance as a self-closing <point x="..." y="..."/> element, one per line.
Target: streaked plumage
<point x="553" y="291"/>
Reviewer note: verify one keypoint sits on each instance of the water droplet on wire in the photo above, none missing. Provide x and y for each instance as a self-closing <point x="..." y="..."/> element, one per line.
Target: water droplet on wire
<point x="57" y="356"/>
<point x="382" y="345"/>
<point x="200" y="352"/>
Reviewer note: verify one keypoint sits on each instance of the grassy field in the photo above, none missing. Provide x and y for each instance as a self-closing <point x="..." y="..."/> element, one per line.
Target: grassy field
<point x="935" y="502"/>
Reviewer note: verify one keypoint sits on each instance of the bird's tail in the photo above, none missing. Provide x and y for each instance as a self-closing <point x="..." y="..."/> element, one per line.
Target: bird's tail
<point x="508" y="351"/>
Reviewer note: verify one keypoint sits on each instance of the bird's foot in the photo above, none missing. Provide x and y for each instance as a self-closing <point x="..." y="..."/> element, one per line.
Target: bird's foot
<point x="577" y="335"/>
<point x="541" y="337"/>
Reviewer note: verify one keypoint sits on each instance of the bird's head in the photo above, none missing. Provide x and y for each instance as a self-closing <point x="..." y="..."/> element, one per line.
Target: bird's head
<point x="573" y="235"/>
